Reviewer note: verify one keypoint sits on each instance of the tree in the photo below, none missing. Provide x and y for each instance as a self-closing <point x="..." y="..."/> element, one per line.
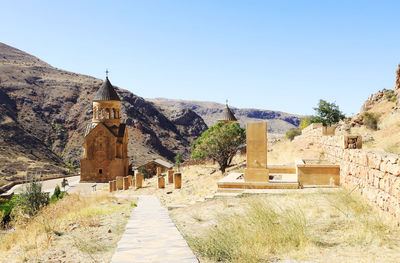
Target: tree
<point x="178" y="160"/>
<point x="57" y="191"/>
<point x="219" y="143"/>
<point x="327" y="113"/>
<point x="64" y="183"/>
<point x="304" y="123"/>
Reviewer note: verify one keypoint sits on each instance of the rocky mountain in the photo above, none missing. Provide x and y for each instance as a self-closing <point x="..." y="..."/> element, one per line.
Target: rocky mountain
<point x="211" y="112"/>
<point x="44" y="111"/>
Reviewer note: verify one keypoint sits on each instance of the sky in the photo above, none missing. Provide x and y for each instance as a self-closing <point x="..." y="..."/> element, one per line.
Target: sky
<point x="276" y="55"/>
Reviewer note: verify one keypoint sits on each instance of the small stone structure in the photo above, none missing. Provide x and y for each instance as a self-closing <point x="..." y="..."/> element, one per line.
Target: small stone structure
<point x="152" y="166"/>
<point x="170" y="176"/>
<point x="126" y="183"/>
<point x="177" y="180"/>
<point x="111" y="186"/>
<point x="139" y="177"/>
<point x="114" y="183"/>
<point x="161" y="182"/>
<point x="120" y="182"/>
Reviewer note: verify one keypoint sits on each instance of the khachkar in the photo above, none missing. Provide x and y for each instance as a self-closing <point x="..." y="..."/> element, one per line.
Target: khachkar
<point x="105" y="144"/>
<point x="256" y="151"/>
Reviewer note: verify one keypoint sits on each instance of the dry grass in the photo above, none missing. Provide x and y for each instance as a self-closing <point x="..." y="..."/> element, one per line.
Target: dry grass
<point x="69" y="223"/>
<point x="320" y="226"/>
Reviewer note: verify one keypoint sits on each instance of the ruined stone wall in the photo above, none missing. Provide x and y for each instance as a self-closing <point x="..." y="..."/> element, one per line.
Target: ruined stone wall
<point x="376" y="175"/>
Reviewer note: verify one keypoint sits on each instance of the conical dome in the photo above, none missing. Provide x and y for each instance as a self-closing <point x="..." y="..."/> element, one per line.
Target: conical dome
<point x="228" y="115"/>
<point x="106" y="92"/>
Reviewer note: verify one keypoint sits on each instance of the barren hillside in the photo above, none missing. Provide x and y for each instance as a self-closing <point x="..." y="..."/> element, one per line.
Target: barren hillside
<point x="45" y="109"/>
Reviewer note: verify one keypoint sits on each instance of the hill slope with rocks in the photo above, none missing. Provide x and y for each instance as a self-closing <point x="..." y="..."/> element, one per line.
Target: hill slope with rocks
<point x="211" y="112"/>
<point x="44" y="111"/>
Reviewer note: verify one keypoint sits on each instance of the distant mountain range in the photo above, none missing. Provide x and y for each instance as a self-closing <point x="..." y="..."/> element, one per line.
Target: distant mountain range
<point x="211" y="112"/>
<point x="44" y="110"/>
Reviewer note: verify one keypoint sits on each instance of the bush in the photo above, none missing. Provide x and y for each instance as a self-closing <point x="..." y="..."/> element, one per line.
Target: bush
<point x="293" y="133"/>
<point x="6" y="207"/>
<point x="32" y="199"/>
<point x="370" y="120"/>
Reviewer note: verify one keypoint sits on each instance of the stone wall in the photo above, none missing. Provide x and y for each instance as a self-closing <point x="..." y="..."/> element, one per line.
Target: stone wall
<point x="376" y="175"/>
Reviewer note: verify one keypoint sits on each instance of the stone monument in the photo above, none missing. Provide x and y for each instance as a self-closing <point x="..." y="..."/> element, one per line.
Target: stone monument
<point x="256" y="164"/>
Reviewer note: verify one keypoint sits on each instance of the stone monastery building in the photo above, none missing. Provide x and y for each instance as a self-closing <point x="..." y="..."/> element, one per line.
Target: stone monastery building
<point x="105" y="144"/>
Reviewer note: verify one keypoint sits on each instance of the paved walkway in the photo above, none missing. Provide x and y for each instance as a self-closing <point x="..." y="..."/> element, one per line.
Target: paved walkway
<point x="151" y="236"/>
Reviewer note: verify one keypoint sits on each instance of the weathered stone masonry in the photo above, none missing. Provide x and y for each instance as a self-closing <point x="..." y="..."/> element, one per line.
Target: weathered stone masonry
<point x="376" y="175"/>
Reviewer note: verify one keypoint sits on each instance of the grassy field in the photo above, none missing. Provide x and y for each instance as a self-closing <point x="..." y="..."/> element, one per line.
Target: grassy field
<point x="319" y="226"/>
<point x="76" y="228"/>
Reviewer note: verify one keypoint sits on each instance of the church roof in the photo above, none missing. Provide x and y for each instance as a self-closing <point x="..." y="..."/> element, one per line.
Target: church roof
<point x="106" y="92"/>
<point x="228" y="115"/>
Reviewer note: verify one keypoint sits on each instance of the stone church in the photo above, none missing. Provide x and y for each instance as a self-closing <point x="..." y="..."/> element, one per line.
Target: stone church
<point x="105" y="144"/>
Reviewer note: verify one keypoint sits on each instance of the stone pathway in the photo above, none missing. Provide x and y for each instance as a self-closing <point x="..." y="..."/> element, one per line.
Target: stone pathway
<point x="151" y="236"/>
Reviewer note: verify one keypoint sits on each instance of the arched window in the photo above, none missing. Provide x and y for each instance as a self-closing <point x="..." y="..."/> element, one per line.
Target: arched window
<point x="107" y="113"/>
<point x="114" y="114"/>
<point x="101" y="116"/>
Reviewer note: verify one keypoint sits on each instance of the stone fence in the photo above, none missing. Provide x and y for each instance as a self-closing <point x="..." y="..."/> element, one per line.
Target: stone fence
<point x="376" y="175"/>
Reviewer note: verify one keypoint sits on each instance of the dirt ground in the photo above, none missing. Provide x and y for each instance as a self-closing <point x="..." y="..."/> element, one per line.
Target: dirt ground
<point x="89" y="233"/>
<point x="334" y="236"/>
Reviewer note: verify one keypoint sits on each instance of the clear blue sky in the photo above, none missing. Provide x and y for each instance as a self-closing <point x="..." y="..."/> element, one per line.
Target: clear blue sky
<point x="279" y="55"/>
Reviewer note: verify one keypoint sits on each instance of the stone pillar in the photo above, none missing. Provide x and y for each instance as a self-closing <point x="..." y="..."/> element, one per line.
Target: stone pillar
<point x="170" y="176"/>
<point x="120" y="182"/>
<point x="126" y="183"/>
<point x="159" y="171"/>
<point x="133" y="182"/>
<point x="110" y="183"/>
<point x="161" y="182"/>
<point x="256" y="151"/>
<point x="130" y="180"/>
<point x="114" y="183"/>
<point x="139" y="180"/>
<point x="178" y="180"/>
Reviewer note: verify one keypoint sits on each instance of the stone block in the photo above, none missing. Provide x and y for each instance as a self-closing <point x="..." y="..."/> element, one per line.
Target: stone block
<point x="139" y="177"/>
<point x="110" y="186"/>
<point x="177" y="180"/>
<point x="170" y="176"/>
<point x="256" y="151"/>
<point x="159" y="171"/>
<point x="114" y="182"/>
<point x="161" y="182"/>
<point x="130" y="179"/>
<point x="120" y="182"/>
<point x="126" y="183"/>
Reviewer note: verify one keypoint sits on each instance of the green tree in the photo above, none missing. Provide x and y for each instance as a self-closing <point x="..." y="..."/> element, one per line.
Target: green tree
<point x="219" y="143"/>
<point x="57" y="191"/>
<point x="178" y="160"/>
<point x="304" y="123"/>
<point x="64" y="183"/>
<point x="327" y="113"/>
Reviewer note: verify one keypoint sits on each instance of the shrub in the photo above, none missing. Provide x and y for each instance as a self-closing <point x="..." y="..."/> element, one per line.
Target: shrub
<point x="64" y="183"/>
<point x="370" y="120"/>
<point x="293" y="133"/>
<point x="57" y="191"/>
<point x="32" y="199"/>
<point x="6" y="207"/>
